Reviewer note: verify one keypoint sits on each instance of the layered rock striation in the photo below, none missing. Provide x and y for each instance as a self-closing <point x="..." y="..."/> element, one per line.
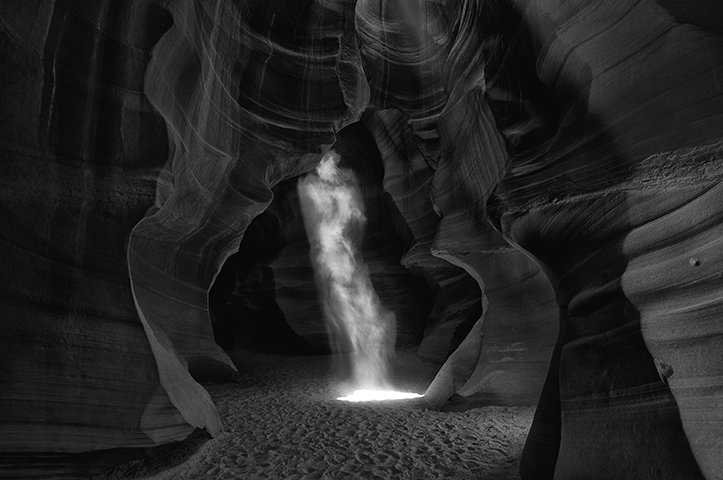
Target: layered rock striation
<point x="538" y="170"/>
<point x="81" y="150"/>
<point x="105" y="322"/>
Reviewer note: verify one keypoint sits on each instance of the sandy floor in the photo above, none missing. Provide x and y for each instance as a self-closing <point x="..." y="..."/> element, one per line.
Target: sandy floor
<point x="281" y="421"/>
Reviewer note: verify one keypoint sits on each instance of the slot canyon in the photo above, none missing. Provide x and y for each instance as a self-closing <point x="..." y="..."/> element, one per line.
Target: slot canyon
<point x="222" y="218"/>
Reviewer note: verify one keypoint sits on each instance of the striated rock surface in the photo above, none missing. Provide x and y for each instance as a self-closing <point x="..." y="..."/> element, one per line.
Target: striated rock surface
<point x="615" y="178"/>
<point x="604" y="130"/>
<point x="519" y="325"/>
<point x="407" y="180"/>
<point x="232" y="137"/>
<point x="90" y="360"/>
<point x="231" y="140"/>
<point x="443" y="123"/>
<point x="588" y="134"/>
<point x="81" y="147"/>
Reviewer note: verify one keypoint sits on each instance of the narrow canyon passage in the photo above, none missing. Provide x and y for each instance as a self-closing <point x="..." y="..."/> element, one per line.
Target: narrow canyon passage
<point x="536" y="226"/>
<point x="281" y="421"/>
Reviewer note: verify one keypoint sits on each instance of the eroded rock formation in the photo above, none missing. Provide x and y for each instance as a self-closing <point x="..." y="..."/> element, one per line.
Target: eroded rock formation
<point x="81" y="150"/>
<point x="140" y="140"/>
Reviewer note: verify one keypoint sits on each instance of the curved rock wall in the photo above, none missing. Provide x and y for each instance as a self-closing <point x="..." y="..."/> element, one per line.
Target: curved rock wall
<point x="81" y="147"/>
<point x="425" y="67"/>
<point x="594" y="112"/>
<point x="83" y="152"/>
<point x="407" y="181"/>
<point x="251" y="93"/>
<point x="617" y="196"/>
<point x="506" y="355"/>
<point x="589" y="133"/>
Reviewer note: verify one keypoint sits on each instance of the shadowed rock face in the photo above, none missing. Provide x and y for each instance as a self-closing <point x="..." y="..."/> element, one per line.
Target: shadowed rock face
<point x="587" y="134"/>
<point x="104" y="314"/>
<point x="236" y="84"/>
<point x="81" y="150"/>
<point x="602" y="204"/>
<point x="509" y="367"/>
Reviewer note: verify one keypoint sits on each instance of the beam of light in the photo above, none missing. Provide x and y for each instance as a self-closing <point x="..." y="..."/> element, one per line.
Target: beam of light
<point x="378" y="395"/>
<point x="357" y="322"/>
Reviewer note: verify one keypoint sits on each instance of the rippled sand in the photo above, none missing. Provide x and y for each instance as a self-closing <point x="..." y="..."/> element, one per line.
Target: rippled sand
<point x="282" y="421"/>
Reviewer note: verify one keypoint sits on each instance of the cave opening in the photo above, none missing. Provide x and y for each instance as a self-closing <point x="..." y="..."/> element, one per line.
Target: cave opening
<point x="267" y="286"/>
<point x="266" y="297"/>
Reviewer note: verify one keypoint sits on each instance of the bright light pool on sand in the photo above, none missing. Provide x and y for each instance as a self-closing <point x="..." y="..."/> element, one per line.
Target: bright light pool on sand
<point x="378" y="395"/>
